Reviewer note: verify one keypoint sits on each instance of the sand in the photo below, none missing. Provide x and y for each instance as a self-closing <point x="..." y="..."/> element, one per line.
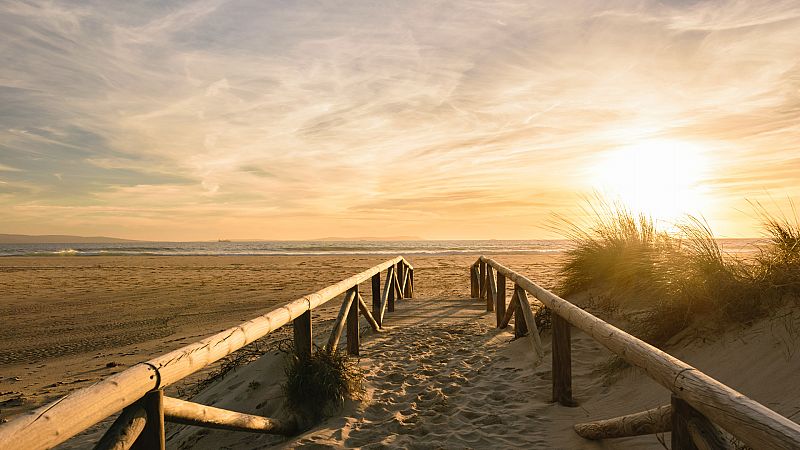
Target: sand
<point x="441" y="376"/>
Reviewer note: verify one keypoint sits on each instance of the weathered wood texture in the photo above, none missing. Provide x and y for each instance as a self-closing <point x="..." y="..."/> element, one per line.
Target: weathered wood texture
<point x="693" y="431"/>
<point x="500" y="300"/>
<point x="152" y="436"/>
<point x="302" y="334"/>
<point x="656" y="420"/>
<point x="367" y="314"/>
<point x="533" y="331"/>
<point x="390" y="289"/>
<point x="377" y="309"/>
<point x="125" y="430"/>
<point x="56" y="422"/>
<point x="751" y="422"/>
<point x="482" y="278"/>
<point x="491" y="295"/>
<point x="510" y="310"/>
<point x="410" y="286"/>
<point x="520" y="327"/>
<point x="190" y="413"/>
<point x="562" y="362"/>
<point x="353" y="337"/>
<point x="341" y="321"/>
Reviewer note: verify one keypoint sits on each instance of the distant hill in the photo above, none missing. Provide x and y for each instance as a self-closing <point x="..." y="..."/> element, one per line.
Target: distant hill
<point x="57" y="239"/>
<point x="390" y="238"/>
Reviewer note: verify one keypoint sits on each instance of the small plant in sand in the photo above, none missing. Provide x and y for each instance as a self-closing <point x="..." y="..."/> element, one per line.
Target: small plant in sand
<point x="318" y="385"/>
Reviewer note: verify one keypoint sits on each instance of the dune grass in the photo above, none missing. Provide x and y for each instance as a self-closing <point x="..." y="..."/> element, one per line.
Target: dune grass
<point x="679" y="276"/>
<point x="318" y="385"/>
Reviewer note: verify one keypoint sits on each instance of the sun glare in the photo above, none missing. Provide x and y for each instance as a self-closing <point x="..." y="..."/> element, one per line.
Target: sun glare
<point x="659" y="178"/>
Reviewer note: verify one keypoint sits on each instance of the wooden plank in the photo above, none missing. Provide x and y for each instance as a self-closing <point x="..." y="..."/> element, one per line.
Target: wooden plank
<point x="368" y="315"/>
<point x="377" y="310"/>
<point x="152" y="436"/>
<point x="190" y="413"/>
<point x="562" y="362"/>
<point x="404" y="284"/>
<point x="533" y="331"/>
<point x="500" y="299"/>
<point x="492" y="292"/>
<point x="125" y="430"/>
<point x="341" y="319"/>
<point x="55" y="422"/>
<point x="520" y="327"/>
<point x="353" y="337"/>
<point x="655" y="420"/>
<point x="302" y="335"/>
<point x="751" y="422"/>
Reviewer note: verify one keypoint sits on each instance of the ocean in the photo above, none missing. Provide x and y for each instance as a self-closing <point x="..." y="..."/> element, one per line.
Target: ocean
<point x="287" y="248"/>
<point x="308" y="248"/>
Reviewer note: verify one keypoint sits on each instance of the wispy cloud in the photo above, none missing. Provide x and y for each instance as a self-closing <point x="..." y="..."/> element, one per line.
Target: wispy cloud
<point x="290" y="120"/>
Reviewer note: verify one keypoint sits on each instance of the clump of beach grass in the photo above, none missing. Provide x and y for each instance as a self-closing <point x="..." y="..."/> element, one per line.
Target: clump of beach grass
<point x="678" y="275"/>
<point x="318" y="385"/>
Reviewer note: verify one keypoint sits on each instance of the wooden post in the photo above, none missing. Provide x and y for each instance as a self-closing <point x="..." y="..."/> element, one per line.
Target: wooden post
<point x="390" y="286"/>
<point x="376" y="298"/>
<point x="195" y="414"/>
<point x="125" y="429"/>
<point x="482" y="277"/>
<point x="530" y="322"/>
<point x="367" y="314"/>
<point x="491" y="293"/>
<point x="410" y="286"/>
<point x="655" y="420"/>
<point x="152" y="436"/>
<point x="353" y="337"/>
<point x="520" y="327"/>
<point x="500" y="301"/>
<point x="562" y="362"/>
<point x="693" y="431"/>
<point x="341" y="320"/>
<point x="399" y="277"/>
<point x="302" y="335"/>
<point x="474" y="289"/>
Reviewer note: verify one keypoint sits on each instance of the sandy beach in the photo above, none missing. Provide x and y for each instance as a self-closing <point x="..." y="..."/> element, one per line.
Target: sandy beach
<point x="69" y="321"/>
<point x="452" y="382"/>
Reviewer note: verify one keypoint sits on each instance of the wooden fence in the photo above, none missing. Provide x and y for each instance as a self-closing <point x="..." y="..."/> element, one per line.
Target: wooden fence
<point x="698" y="404"/>
<point x="139" y="391"/>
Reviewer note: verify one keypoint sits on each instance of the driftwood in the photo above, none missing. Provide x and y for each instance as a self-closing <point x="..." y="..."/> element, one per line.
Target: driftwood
<point x="656" y="420"/>
<point x="751" y="422"/>
<point x="190" y="413"/>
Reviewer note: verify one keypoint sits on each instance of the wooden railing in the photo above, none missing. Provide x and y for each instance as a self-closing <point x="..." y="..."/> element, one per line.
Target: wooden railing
<point x="698" y="404"/>
<point x="139" y="391"/>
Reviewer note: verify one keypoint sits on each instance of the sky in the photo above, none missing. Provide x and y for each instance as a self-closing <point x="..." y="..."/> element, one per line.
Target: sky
<point x="443" y="120"/>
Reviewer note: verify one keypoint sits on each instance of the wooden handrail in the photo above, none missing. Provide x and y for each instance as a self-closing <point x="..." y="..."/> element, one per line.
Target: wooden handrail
<point x="749" y="421"/>
<point x="58" y="421"/>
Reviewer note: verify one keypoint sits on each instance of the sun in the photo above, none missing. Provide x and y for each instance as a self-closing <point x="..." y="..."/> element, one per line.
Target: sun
<point x="661" y="178"/>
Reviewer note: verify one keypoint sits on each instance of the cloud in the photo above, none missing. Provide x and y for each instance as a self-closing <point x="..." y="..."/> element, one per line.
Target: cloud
<point x="279" y="113"/>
